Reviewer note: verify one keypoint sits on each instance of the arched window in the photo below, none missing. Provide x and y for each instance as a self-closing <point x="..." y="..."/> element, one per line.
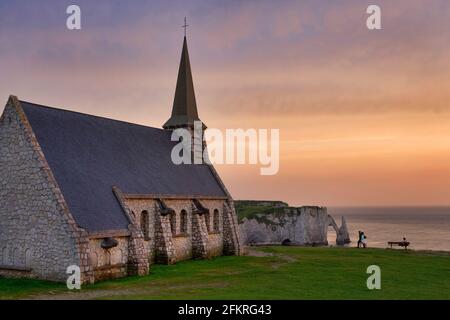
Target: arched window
<point x="145" y="224"/>
<point x="173" y="222"/>
<point x="183" y="221"/>
<point x="216" y="220"/>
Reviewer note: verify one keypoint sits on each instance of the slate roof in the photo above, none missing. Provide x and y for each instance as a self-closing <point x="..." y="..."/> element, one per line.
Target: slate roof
<point x="89" y="155"/>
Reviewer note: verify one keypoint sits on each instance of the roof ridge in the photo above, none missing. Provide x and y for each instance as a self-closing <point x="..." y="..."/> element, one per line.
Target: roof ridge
<point x="89" y="115"/>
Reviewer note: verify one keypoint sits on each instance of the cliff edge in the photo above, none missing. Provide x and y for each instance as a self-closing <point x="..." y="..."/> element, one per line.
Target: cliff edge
<point x="275" y="222"/>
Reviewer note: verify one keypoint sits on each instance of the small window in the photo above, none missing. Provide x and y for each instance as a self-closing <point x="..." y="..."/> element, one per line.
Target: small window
<point x="183" y="221"/>
<point x="216" y="220"/>
<point x="145" y="224"/>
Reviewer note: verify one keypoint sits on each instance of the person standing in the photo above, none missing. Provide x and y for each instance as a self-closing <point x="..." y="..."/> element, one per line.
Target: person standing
<point x="364" y="240"/>
<point x="359" y="239"/>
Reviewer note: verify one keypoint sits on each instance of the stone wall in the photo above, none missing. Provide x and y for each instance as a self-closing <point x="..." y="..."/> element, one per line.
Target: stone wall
<point x="37" y="237"/>
<point x="138" y="207"/>
<point x="182" y="235"/>
<point x="109" y="263"/>
<point x="183" y="247"/>
<point x="214" y="227"/>
<point x="232" y="235"/>
<point x="215" y="244"/>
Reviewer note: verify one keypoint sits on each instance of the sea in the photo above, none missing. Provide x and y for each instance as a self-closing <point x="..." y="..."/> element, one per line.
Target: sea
<point x="426" y="228"/>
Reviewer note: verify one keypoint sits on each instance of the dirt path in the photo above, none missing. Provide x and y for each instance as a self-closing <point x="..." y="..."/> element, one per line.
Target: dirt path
<point x="284" y="259"/>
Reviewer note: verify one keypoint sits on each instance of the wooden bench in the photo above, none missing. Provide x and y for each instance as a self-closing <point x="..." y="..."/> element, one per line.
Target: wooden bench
<point x="404" y="244"/>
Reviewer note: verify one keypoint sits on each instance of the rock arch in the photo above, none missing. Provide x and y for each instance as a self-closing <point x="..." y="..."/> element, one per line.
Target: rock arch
<point x="342" y="235"/>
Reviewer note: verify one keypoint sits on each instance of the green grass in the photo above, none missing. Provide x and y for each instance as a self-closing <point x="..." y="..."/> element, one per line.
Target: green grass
<point x="289" y="273"/>
<point x="22" y="288"/>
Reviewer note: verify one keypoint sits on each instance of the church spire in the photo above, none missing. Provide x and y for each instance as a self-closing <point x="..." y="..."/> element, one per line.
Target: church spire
<point x="184" y="111"/>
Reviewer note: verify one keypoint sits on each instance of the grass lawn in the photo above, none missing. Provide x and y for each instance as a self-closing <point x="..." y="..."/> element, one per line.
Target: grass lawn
<point x="278" y="273"/>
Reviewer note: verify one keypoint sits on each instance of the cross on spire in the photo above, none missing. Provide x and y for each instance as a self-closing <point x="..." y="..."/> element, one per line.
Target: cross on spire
<point x="185" y="26"/>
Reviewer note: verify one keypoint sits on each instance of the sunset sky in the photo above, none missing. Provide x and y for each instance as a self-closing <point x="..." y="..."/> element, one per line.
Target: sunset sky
<point x="364" y="116"/>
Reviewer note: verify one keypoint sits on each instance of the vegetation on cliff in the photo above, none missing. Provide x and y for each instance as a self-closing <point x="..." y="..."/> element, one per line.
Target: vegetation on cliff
<point x="254" y="209"/>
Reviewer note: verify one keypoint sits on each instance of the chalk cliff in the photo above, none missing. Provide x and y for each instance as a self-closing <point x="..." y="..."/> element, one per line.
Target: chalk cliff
<point x="277" y="223"/>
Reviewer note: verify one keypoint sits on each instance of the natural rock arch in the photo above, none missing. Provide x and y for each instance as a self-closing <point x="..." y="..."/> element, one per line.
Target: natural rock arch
<point x="342" y="235"/>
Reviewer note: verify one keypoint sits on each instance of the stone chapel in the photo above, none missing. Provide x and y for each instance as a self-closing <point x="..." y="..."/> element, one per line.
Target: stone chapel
<point x="104" y="195"/>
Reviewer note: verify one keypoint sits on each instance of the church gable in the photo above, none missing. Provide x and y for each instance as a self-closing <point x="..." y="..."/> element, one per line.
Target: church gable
<point x="34" y="226"/>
